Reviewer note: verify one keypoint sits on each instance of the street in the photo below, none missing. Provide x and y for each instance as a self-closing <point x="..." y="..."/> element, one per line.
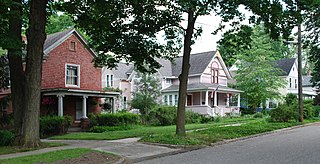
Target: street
<point x="295" y="146"/>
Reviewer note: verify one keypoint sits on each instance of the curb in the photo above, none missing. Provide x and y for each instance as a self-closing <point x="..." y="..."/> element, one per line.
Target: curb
<point x="185" y="149"/>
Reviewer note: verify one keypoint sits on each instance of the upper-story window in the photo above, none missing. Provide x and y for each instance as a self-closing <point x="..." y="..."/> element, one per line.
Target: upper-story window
<point x="290" y="83"/>
<point x="72" y="75"/>
<point x="295" y="83"/>
<point x="72" y="46"/>
<point x="168" y="81"/>
<point x="109" y="80"/>
<point x="215" y="75"/>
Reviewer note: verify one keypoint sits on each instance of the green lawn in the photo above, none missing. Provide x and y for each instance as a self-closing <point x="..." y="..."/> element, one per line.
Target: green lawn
<point x="141" y="131"/>
<point x="15" y="149"/>
<point x="218" y="133"/>
<point x="47" y="157"/>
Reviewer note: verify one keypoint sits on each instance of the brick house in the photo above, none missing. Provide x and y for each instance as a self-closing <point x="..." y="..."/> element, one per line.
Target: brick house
<point x="71" y="85"/>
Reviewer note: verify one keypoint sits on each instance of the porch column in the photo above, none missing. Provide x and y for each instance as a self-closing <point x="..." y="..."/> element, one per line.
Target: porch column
<point x="206" y="98"/>
<point x="228" y="100"/>
<point x="60" y="104"/>
<point x="113" y="105"/>
<point x="215" y="99"/>
<point x="201" y="98"/>
<point x="239" y="100"/>
<point x="84" y="107"/>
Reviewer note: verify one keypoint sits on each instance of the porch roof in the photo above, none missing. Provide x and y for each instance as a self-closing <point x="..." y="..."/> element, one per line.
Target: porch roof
<point x="201" y="87"/>
<point x="78" y="92"/>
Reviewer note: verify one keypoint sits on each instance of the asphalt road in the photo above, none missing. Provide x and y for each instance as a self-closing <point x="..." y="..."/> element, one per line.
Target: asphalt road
<point x="296" y="146"/>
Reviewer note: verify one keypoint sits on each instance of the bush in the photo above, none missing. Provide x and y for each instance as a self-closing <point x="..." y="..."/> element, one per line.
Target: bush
<point x="284" y="113"/>
<point x="117" y="119"/>
<point x="101" y="129"/>
<point x="258" y="115"/>
<point x="6" y="121"/>
<point x="6" y="138"/>
<point x="93" y="120"/>
<point x="291" y="99"/>
<point x="316" y="111"/>
<point x="54" y="125"/>
<point x="245" y="111"/>
<point x="166" y="115"/>
<point x="308" y="109"/>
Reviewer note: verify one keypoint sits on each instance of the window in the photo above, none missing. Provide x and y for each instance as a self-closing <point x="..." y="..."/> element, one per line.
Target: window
<point x="168" y="81"/>
<point x="109" y="80"/>
<point x="72" y="46"/>
<point x="295" y="83"/>
<point x="170" y="100"/>
<point x="290" y="83"/>
<point x="73" y="75"/>
<point x="215" y="76"/>
<point x="175" y="99"/>
<point x="125" y="106"/>
<point x="165" y="100"/>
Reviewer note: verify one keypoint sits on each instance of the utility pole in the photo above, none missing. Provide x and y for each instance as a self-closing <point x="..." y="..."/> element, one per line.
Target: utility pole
<point x="299" y="65"/>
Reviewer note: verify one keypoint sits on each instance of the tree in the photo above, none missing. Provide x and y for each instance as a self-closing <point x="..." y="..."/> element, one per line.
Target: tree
<point x="236" y="41"/>
<point x="257" y="75"/>
<point x="25" y="82"/>
<point x="146" y="92"/>
<point x="128" y="30"/>
<point x="59" y="22"/>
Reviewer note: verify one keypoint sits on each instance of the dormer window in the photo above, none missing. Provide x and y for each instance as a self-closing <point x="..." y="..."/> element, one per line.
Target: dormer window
<point x="168" y="81"/>
<point x="72" y="46"/>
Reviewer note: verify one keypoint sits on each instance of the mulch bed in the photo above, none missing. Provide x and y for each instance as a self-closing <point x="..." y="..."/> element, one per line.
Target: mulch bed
<point x="91" y="158"/>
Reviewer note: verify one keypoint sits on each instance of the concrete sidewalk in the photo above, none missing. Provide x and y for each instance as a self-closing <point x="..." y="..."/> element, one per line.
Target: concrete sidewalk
<point x="128" y="148"/>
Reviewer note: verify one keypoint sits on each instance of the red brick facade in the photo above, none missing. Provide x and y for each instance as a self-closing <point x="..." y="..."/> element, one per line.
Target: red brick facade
<point x="54" y="67"/>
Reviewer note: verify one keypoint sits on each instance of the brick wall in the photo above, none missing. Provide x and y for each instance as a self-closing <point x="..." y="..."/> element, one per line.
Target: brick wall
<point x="53" y="73"/>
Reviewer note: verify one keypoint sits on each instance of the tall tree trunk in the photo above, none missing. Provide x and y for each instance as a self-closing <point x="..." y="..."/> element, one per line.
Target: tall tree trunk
<point x="36" y="36"/>
<point x="183" y="77"/>
<point x="299" y="67"/>
<point x="16" y="69"/>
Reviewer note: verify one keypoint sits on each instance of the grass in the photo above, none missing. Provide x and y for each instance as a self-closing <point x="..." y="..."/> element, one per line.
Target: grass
<point x="48" y="157"/>
<point x="16" y="149"/>
<point x="141" y="131"/>
<point x="218" y="133"/>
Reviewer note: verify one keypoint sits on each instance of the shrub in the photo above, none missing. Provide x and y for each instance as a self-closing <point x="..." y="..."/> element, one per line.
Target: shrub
<point x="53" y="125"/>
<point x="206" y="119"/>
<point x="308" y="109"/>
<point x="291" y="99"/>
<point x="6" y="121"/>
<point x="316" y="111"/>
<point x="93" y="120"/>
<point x="117" y="119"/>
<point x="284" y="113"/>
<point x="6" y="138"/>
<point x="166" y="115"/>
<point x="258" y="115"/>
<point x="245" y="111"/>
<point x="101" y="129"/>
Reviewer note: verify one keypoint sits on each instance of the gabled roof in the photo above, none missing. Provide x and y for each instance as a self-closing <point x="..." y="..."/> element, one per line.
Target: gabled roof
<point x="198" y="63"/>
<point x="285" y="65"/>
<point x="122" y="70"/>
<point x="55" y="39"/>
<point x="166" y="67"/>
<point x="306" y="81"/>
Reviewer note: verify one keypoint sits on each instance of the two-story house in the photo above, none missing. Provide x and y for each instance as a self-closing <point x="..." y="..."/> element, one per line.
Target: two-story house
<point x="71" y="85"/>
<point x="289" y="73"/>
<point x="208" y="91"/>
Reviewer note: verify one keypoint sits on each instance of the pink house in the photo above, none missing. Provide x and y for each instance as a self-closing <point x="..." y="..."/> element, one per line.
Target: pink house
<point x="208" y="91"/>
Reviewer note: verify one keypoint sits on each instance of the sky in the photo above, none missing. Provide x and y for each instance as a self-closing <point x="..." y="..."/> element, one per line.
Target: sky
<point x="209" y="23"/>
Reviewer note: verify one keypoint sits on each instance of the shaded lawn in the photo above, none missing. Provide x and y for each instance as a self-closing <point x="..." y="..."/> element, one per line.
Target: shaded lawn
<point x="16" y="149"/>
<point x="47" y="157"/>
<point x="217" y="133"/>
<point x="141" y="131"/>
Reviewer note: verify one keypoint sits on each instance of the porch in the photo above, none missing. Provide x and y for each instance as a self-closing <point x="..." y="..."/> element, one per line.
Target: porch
<point x="206" y="99"/>
<point x="74" y="103"/>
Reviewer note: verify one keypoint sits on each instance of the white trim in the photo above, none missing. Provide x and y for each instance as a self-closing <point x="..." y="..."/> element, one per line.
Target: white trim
<point x="65" y="75"/>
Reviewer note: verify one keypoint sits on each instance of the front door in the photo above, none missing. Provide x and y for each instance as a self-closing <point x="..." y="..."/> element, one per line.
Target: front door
<point x="189" y="100"/>
<point x="78" y="110"/>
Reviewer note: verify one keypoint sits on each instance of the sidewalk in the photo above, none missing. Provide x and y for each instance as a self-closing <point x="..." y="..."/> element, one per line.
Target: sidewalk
<point x="128" y="148"/>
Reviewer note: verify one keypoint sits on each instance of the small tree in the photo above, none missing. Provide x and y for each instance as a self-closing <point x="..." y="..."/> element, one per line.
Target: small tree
<point x="257" y="75"/>
<point x="146" y="93"/>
